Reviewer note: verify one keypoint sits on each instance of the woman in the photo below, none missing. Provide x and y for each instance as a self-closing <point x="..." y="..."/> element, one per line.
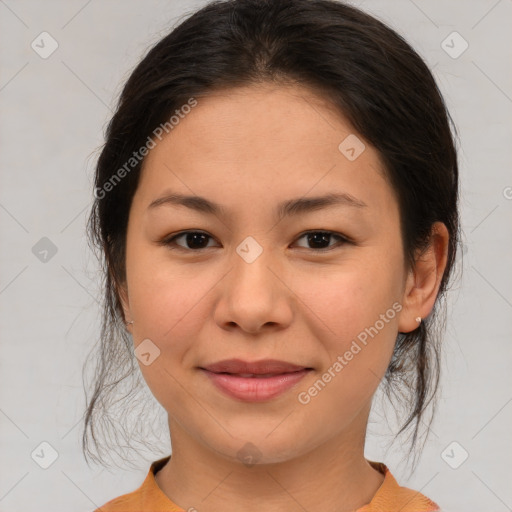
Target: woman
<point x="276" y="206"/>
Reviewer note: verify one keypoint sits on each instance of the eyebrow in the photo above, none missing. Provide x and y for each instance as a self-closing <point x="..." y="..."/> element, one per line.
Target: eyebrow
<point x="287" y="208"/>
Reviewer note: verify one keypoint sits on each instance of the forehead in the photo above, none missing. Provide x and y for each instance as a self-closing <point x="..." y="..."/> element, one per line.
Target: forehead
<point x="277" y="141"/>
<point x="249" y="118"/>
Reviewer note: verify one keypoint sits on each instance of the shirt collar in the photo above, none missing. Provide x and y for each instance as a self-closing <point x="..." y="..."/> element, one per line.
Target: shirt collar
<point x="390" y="496"/>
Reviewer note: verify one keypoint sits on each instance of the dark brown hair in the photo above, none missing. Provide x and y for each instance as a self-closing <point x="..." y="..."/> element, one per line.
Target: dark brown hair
<point x="367" y="72"/>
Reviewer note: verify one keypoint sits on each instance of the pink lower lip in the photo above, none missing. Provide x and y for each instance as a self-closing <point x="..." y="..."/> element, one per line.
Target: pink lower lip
<point x="255" y="389"/>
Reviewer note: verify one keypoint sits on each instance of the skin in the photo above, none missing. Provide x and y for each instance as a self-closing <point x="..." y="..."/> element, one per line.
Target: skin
<point x="249" y="149"/>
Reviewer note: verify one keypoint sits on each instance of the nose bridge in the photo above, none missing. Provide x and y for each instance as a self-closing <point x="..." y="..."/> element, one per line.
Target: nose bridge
<point x="254" y="296"/>
<point x="251" y="274"/>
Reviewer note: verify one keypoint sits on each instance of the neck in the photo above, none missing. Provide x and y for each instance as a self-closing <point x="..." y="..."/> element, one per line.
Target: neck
<point x="333" y="477"/>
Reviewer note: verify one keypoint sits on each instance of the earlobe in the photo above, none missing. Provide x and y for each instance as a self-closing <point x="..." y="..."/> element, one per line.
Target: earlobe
<point x="423" y="282"/>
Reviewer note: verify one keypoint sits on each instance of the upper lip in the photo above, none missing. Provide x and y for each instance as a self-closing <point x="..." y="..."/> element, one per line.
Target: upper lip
<point x="265" y="366"/>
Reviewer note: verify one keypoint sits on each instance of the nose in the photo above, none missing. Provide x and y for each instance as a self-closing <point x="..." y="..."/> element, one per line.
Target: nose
<point x="254" y="296"/>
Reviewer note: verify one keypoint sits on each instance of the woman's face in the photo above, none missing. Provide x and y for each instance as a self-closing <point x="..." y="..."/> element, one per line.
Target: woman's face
<point x="253" y="285"/>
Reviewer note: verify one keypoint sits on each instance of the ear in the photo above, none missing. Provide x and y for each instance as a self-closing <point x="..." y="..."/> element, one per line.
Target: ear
<point x="122" y="291"/>
<point x="424" y="280"/>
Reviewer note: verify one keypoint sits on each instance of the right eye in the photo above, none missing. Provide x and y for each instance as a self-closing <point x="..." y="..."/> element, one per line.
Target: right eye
<point x="195" y="240"/>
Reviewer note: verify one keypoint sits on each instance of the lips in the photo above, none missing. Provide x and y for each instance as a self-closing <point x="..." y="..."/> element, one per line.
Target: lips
<point x="266" y="367"/>
<point x="254" y="381"/>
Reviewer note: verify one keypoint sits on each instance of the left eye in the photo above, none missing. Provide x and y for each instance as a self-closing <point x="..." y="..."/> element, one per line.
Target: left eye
<point x="199" y="240"/>
<point x="321" y="237"/>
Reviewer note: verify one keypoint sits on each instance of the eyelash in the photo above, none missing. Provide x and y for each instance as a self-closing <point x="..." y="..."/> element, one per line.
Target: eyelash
<point x="169" y="241"/>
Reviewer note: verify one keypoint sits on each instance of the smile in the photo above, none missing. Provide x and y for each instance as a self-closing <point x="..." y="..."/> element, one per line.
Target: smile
<point x="255" y="387"/>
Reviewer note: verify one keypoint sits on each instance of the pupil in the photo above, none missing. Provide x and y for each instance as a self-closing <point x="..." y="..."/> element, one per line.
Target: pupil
<point x="192" y="238"/>
<point x="318" y="238"/>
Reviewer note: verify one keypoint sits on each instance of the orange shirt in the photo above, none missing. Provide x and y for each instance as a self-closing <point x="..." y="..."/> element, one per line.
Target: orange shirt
<point x="390" y="497"/>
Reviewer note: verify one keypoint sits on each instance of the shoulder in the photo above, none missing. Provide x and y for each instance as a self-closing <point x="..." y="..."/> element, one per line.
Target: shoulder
<point x="147" y="497"/>
<point x="391" y="496"/>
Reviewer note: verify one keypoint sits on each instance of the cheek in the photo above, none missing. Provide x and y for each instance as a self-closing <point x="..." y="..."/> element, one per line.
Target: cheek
<point x="163" y="295"/>
<point x="355" y="321"/>
<point x="164" y="303"/>
<point x="347" y="301"/>
<point x="354" y="312"/>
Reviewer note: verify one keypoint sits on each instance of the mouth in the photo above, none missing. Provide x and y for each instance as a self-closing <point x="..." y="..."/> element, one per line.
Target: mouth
<point x="257" y="368"/>
<point x="254" y="381"/>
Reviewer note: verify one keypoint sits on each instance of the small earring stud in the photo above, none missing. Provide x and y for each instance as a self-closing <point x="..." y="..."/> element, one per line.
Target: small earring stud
<point x="418" y="319"/>
<point x="129" y="323"/>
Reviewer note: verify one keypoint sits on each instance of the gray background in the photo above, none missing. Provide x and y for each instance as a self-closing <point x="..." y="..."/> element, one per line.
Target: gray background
<point x="53" y="112"/>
